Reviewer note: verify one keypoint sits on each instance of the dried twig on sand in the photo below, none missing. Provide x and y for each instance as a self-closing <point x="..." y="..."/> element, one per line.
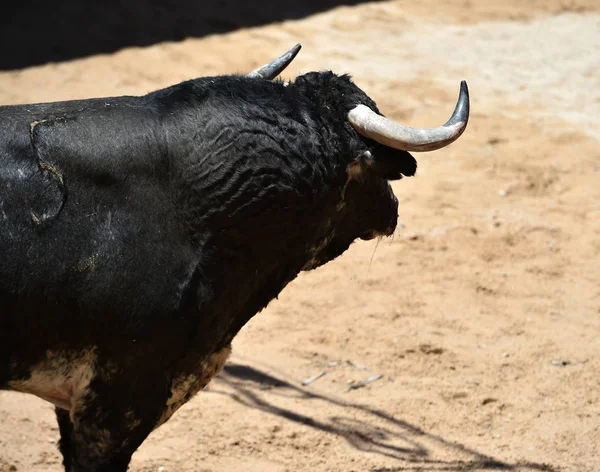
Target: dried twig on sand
<point x="364" y="382"/>
<point x="313" y="378"/>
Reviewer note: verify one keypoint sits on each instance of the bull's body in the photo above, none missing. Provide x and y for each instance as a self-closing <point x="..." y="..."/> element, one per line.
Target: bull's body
<point x="139" y="234"/>
<point x="103" y="233"/>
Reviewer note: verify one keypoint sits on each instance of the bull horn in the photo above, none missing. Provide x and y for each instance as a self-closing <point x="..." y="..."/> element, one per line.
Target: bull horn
<point x="273" y="69"/>
<point x="392" y="134"/>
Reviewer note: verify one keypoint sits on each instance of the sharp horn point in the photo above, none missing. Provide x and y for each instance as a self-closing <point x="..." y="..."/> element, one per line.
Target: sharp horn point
<point x="273" y="69"/>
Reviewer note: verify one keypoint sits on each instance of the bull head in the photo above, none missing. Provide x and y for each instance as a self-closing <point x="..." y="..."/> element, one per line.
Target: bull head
<point x="380" y="129"/>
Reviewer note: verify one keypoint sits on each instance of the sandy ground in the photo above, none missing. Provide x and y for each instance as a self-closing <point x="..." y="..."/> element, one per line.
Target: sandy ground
<point x="481" y="314"/>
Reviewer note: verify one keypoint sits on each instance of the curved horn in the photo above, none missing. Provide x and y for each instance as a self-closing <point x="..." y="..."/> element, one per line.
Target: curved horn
<point x="392" y="134"/>
<point x="273" y="69"/>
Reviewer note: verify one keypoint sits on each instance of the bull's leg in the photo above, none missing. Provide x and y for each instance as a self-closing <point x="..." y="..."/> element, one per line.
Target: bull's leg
<point x="65" y="445"/>
<point x="111" y="419"/>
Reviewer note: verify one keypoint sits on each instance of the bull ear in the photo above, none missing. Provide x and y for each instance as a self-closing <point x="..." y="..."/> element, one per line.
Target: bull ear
<point x="393" y="164"/>
<point x="384" y="162"/>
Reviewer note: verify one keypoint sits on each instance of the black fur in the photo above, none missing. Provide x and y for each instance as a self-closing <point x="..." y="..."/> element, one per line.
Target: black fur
<point x="152" y="228"/>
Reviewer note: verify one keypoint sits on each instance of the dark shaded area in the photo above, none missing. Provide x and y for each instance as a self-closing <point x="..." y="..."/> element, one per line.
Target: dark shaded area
<point x="247" y="381"/>
<point x="34" y="32"/>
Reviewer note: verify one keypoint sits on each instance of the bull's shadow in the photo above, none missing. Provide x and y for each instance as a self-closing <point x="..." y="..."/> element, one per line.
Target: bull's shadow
<point x="252" y="388"/>
<point x="38" y="31"/>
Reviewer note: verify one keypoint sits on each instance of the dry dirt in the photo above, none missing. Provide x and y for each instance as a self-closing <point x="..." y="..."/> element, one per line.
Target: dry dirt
<point x="481" y="314"/>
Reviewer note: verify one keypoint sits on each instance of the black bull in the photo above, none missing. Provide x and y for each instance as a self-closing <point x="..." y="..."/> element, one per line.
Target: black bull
<point x="139" y="234"/>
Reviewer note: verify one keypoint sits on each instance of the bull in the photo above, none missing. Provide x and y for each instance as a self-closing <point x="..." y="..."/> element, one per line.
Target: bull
<point x="140" y="233"/>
